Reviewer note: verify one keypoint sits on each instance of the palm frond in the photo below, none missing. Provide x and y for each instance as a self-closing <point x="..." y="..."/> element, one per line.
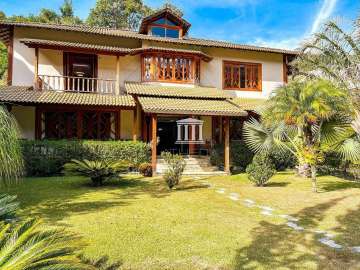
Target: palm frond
<point x="8" y="207"/>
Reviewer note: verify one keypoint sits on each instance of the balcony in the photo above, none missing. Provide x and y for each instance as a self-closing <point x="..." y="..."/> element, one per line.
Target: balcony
<point x="77" y="84"/>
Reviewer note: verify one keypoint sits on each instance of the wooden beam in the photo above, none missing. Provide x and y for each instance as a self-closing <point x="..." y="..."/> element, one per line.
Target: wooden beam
<point x="10" y="52"/>
<point x="135" y="124"/>
<point x="36" y="68"/>
<point x="227" y="145"/>
<point x="154" y="142"/>
<point x="117" y="88"/>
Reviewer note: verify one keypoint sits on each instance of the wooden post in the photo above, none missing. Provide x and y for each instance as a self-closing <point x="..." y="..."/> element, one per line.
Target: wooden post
<point x="227" y="145"/>
<point x="36" y="68"/>
<point x="79" y="124"/>
<point x="135" y="125"/>
<point x="117" y="87"/>
<point x="10" y="52"/>
<point x="154" y="142"/>
<point x="285" y="69"/>
<point x="118" y="125"/>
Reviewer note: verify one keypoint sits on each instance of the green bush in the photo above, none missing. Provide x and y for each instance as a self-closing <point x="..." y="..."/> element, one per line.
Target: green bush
<point x="176" y="165"/>
<point x="47" y="157"/>
<point x="97" y="171"/>
<point x="283" y="159"/>
<point x="145" y="169"/>
<point x="261" y="169"/>
<point x="240" y="156"/>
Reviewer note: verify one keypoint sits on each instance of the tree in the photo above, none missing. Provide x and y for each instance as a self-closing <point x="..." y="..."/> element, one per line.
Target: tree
<point x="333" y="54"/>
<point x="118" y="13"/>
<point x="67" y="14"/>
<point x="308" y="119"/>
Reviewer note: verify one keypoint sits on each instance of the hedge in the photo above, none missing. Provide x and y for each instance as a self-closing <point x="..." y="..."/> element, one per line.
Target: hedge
<point x="47" y="157"/>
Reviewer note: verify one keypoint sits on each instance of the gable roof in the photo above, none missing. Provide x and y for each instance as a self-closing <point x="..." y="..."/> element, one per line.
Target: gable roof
<point x="158" y="90"/>
<point x="168" y="13"/>
<point x="134" y="35"/>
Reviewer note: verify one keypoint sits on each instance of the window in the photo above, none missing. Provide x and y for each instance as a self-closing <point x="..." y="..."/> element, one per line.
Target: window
<point x="242" y="76"/>
<point x="163" y="27"/>
<point x="92" y="125"/>
<point x="171" y="68"/>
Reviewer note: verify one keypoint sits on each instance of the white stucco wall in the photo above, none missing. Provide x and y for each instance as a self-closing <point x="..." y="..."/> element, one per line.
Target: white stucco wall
<point x="272" y="70"/>
<point x="25" y="116"/>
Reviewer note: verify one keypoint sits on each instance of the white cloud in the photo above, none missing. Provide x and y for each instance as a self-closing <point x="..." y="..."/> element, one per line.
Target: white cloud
<point x="325" y="12"/>
<point x="289" y="43"/>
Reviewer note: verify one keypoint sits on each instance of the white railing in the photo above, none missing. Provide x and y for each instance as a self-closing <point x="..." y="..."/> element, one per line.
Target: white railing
<point x="76" y="84"/>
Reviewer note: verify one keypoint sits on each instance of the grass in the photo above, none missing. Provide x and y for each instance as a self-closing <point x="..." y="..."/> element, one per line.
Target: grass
<point x="138" y="221"/>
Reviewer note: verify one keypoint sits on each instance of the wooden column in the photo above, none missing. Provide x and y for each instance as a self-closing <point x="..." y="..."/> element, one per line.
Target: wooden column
<point x="285" y="69"/>
<point x="153" y="142"/>
<point x="10" y="56"/>
<point x="118" y="125"/>
<point x="117" y="86"/>
<point x="79" y="124"/>
<point x="227" y="145"/>
<point x="38" y="123"/>
<point x="36" y="68"/>
<point x="135" y="125"/>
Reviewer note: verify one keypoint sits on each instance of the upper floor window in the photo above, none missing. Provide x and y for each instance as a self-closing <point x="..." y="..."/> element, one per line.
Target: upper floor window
<point x="164" y="27"/>
<point x="242" y="76"/>
<point x="170" y="68"/>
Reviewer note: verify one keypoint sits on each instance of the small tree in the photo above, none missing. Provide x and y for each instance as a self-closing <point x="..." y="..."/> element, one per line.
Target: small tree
<point x="176" y="165"/>
<point x="261" y="169"/>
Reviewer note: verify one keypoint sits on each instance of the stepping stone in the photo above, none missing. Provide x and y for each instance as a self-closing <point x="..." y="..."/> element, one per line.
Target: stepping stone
<point x="266" y="208"/>
<point x="266" y="213"/>
<point x="221" y="190"/>
<point x="234" y="194"/>
<point x="295" y="226"/>
<point x="356" y="249"/>
<point x="249" y="201"/>
<point x="320" y="232"/>
<point x="234" y="198"/>
<point x="289" y="217"/>
<point x="330" y="243"/>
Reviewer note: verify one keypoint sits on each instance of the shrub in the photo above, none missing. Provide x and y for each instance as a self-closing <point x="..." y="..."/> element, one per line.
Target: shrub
<point x="261" y="169"/>
<point x="283" y="159"/>
<point x="98" y="171"/>
<point x="47" y="157"/>
<point x="145" y="169"/>
<point x="176" y="165"/>
<point x="240" y="156"/>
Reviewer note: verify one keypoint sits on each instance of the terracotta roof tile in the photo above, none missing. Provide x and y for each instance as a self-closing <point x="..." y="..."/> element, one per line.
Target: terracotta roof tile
<point x="135" y="35"/>
<point x="186" y="106"/>
<point x="249" y="104"/>
<point x="26" y="95"/>
<point x="150" y="89"/>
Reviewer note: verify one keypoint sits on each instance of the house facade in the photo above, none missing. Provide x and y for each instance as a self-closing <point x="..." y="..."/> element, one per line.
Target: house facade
<point x="158" y="85"/>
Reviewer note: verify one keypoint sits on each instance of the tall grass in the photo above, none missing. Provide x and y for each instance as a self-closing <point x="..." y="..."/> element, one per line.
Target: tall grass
<point x="11" y="162"/>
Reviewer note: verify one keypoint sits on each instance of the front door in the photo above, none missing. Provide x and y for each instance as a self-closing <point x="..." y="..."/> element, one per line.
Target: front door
<point x="80" y="69"/>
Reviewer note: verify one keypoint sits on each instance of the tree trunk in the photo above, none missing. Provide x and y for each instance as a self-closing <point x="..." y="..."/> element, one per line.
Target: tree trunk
<point x="313" y="177"/>
<point x="303" y="170"/>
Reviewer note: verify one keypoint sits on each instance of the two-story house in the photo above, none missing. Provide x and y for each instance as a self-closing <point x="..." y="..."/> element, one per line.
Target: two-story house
<point x="159" y="85"/>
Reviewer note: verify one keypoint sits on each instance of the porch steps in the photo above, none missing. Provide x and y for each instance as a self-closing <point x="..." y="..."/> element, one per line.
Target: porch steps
<point x="195" y="165"/>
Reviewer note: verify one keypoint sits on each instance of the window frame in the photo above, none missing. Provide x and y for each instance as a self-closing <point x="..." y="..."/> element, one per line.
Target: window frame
<point x="239" y="63"/>
<point x="165" y="26"/>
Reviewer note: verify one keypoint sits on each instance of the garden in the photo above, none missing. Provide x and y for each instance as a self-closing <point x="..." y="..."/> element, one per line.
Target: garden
<point x="292" y="202"/>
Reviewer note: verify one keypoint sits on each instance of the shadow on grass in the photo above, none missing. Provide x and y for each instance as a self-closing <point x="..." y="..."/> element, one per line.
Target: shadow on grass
<point x="277" y="184"/>
<point x="275" y="246"/>
<point x="338" y="185"/>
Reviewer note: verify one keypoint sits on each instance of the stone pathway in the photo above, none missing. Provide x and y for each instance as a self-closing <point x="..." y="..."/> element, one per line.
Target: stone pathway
<point x="322" y="236"/>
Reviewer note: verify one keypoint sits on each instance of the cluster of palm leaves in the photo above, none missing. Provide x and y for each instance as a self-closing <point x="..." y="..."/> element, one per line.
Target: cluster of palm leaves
<point x="333" y="54"/>
<point x="97" y="171"/>
<point x="308" y="119"/>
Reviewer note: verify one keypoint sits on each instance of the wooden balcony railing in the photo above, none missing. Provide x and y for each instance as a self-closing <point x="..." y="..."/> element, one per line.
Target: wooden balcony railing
<point x="77" y="84"/>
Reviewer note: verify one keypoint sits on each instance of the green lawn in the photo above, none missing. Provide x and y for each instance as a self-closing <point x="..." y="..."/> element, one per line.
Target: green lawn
<point x="140" y="222"/>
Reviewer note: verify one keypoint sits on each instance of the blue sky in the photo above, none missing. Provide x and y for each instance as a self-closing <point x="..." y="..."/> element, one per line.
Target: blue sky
<point x="274" y="23"/>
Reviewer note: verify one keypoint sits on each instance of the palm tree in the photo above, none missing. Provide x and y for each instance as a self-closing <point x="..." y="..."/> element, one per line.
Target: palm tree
<point x="24" y="247"/>
<point x="333" y="54"/>
<point x="307" y="119"/>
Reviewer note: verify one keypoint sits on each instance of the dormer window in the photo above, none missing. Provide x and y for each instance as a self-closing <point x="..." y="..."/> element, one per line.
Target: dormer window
<point x="164" y="23"/>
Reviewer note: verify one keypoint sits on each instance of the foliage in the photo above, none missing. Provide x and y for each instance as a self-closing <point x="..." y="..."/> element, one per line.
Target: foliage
<point x="176" y="165"/>
<point x="11" y="162"/>
<point x="118" y="13"/>
<point x="8" y="207"/>
<point x="146" y="169"/>
<point x="308" y="119"/>
<point x="3" y="61"/>
<point x="23" y="247"/>
<point x="47" y="157"/>
<point x="333" y="54"/>
<point x="101" y="264"/>
<point x="98" y="171"/>
<point x="240" y="155"/>
<point x="282" y="159"/>
<point x="261" y="169"/>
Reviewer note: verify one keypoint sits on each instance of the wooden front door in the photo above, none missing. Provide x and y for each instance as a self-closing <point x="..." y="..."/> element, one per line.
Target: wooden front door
<point x="78" y="67"/>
